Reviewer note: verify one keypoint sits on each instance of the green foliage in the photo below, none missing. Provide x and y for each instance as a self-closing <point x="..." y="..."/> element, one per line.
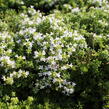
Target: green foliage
<point x="48" y="5"/>
<point x="55" y="58"/>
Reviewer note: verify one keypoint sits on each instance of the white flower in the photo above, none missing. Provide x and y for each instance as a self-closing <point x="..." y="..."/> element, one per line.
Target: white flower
<point x="31" y="6"/>
<point x="31" y="30"/>
<point x="71" y="91"/>
<point x="36" y="54"/>
<point x="9" y="51"/>
<point x="11" y="75"/>
<point x="58" y="75"/>
<point x="5" y="60"/>
<point x="24" y="57"/>
<point x="58" y="57"/>
<point x="47" y="73"/>
<point x="75" y="10"/>
<point x="19" y="73"/>
<point x="67" y="6"/>
<point x="73" y="84"/>
<point x="37" y="36"/>
<point x="54" y="80"/>
<point x="14" y="73"/>
<point x="4" y="78"/>
<point x="4" y="36"/>
<point x="38" y="20"/>
<point x="108" y="35"/>
<point x="43" y="52"/>
<point x="42" y="87"/>
<point x="30" y="22"/>
<point x="22" y="73"/>
<point x="27" y="73"/>
<point x="22" y="14"/>
<point x="60" y="86"/>
<point x="32" y="11"/>
<point x="78" y="38"/>
<point x="41" y="67"/>
<point x="21" y="32"/>
<point x="18" y="41"/>
<point x="53" y="62"/>
<point x="11" y="63"/>
<point x="63" y="67"/>
<point x="42" y="59"/>
<point x="22" y="2"/>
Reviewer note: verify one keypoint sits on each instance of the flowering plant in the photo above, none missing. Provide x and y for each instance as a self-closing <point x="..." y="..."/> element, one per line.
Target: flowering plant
<point x="65" y="52"/>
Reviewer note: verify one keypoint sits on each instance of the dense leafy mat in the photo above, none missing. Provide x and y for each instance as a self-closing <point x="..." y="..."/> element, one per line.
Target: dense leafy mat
<point x="54" y="54"/>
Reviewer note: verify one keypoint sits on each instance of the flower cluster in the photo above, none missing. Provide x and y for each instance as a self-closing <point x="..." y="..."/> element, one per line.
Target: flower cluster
<point x="50" y="46"/>
<point x="6" y="62"/>
<point x="43" y="43"/>
<point x="54" y="46"/>
<point x="42" y="46"/>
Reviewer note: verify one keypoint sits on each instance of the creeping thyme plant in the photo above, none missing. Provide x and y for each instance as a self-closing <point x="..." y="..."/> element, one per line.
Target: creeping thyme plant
<point x="54" y="54"/>
<point x="41" y="47"/>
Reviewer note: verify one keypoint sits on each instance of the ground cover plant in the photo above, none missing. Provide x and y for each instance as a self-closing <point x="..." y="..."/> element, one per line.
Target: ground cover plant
<point x="54" y="54"/>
